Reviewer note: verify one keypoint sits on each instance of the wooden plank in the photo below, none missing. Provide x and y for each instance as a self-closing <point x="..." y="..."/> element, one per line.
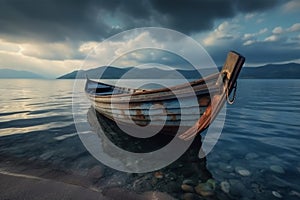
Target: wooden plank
<point x="232" y="67"/>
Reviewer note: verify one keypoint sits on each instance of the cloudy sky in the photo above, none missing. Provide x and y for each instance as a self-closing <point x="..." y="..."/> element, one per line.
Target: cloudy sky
<point x="53" y="37"/>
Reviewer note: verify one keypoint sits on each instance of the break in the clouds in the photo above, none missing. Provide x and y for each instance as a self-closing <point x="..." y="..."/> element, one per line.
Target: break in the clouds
<point x="53" y="37"/>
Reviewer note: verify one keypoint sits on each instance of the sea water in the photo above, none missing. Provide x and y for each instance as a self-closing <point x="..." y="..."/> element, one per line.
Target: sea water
<point x="256" y="157"/>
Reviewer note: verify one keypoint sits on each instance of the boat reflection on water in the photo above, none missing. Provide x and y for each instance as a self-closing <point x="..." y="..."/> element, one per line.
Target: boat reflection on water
<point x="188" y="166"/>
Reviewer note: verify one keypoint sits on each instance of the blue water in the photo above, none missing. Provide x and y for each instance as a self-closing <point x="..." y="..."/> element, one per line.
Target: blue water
<point x="261" y="134"/>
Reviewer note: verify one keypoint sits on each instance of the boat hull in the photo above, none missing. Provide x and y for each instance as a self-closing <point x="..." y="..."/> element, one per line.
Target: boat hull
<point x="188" y="108"/>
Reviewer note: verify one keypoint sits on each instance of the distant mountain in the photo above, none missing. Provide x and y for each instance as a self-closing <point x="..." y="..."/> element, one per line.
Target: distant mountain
<point x="10" y="73"/>
<point x="270" y="71"/>
<point x="134" y="73"/>
<point x="107" y="73"/>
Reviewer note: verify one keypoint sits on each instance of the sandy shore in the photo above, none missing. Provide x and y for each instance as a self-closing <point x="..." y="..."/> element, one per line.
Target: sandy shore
<point x="19" y="186"/>
<point x="26" y="187"/>
<point x="19" y="182"/>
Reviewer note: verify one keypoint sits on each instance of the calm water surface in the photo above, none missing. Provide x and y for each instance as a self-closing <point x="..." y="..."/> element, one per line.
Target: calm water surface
<point x="258" y="153"/>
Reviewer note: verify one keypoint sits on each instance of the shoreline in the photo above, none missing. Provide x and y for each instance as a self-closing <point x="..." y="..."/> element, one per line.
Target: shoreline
<point x="20" y="186"/>
<point x="21" y="179"/>
<point x="164" y="184"/>
<point x="26" y="183"/>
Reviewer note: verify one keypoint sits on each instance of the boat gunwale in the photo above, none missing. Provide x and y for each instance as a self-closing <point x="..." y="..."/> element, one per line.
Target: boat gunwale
<point x="109" y="107"/>
<point x="199" y="90"/>
<point x="194" y="83"/>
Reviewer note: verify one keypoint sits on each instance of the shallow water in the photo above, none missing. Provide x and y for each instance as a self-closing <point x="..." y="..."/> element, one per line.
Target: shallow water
<point x="258" y="152"/>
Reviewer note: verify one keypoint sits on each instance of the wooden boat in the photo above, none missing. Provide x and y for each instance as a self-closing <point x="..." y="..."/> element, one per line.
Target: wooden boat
<point x="172" y="108"/>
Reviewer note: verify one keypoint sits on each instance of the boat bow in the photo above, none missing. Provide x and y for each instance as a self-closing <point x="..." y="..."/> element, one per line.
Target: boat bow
<point x="228" y="79"/>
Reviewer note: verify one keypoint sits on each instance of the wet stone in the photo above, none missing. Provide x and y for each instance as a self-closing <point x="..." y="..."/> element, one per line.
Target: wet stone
<point x="204" y="189"/>
<point x="158" y="175"/>
<point x="277" y="169"/>
<point x="187" y="188"/>
<point x="212" y="183"/>
<point x="276" y="194"/>
<point x="242" y="171"/>
<point x="225" y="186"/>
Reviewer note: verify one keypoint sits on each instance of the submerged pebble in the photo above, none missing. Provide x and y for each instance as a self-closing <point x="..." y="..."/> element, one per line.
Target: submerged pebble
<point x="204" y="189"/>
<point x="225" y="186"/>
<point x="212" y="183"/>
<point x="187" y="188"/>
<point x="276" y="194"/>
<point x="243" y="172"/>
<point x="158" y="175"/>
<point x="277" y="169"/>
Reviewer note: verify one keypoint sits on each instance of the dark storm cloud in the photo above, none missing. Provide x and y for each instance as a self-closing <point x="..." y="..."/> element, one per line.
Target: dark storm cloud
<point x="57" y="20"/>
<point x="60" y="20"/>
<point x="193" y="15"/>
<point x="48" y="20"/>
<point x="255" y="5"/>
